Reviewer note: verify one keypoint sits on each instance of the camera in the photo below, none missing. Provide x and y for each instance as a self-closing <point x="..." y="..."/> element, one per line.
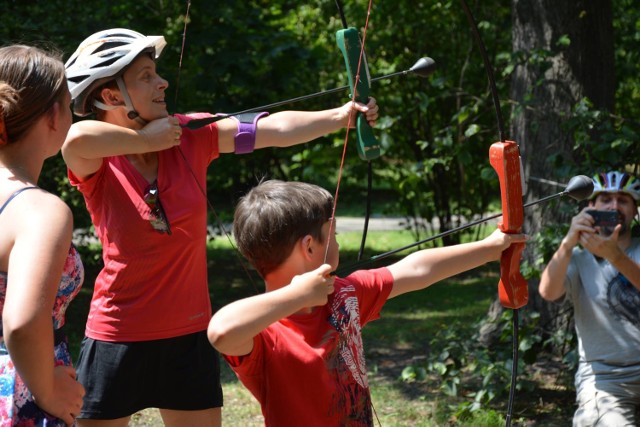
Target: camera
<point x="604" y="218"/>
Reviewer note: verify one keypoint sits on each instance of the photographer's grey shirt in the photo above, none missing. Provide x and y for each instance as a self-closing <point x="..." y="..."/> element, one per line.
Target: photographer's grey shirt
<point x="607" y="319"/>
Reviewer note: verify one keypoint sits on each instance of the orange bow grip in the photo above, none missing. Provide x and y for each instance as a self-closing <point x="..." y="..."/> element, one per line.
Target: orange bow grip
<point x="505" y="159"/>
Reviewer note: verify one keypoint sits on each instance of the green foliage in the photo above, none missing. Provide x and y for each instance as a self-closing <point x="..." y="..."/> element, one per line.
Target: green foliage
<point x="478" y="375"/>
<point x="447" y="128"/>
<point x="605" y="141"/>
<point x="546" y="243"/>
<point x="626" y="26"/>
<point x="433" y="131"/>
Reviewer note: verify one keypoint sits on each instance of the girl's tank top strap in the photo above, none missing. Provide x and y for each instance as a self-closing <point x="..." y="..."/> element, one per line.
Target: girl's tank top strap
<point x="14" y="195"/>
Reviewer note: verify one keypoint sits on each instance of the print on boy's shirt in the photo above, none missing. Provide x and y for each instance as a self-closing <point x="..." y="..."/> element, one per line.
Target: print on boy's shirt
<point x="348" y="362"/>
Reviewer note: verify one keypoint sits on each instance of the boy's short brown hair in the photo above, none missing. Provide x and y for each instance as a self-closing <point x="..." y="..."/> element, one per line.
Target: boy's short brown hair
<point x="274" y="215"/>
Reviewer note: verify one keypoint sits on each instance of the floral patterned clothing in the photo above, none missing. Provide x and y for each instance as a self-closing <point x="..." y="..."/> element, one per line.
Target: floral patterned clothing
<point x="17" y="407"/>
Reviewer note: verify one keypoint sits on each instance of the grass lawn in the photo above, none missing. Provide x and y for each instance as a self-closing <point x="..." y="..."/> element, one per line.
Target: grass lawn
<point x="401" y="338"/>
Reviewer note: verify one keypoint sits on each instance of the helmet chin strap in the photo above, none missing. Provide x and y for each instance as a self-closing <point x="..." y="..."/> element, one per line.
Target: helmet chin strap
<point x="132" y="114"/>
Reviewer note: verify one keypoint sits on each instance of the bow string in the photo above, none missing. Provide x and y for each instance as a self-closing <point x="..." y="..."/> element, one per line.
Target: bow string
<point x="352" y="48"/>
<point x="193" y="174"/>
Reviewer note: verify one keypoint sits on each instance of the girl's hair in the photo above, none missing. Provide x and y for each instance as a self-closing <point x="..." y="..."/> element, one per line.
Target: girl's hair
<point x="273" y="216"/>
<point x="31" y="81"/>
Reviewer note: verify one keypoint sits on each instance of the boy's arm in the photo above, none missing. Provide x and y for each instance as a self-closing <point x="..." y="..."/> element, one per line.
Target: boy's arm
<point x="424" y="268"/>
<point x="287" y="128"/>
<point x="89" y="141"/>
<point x="232" y="329"/>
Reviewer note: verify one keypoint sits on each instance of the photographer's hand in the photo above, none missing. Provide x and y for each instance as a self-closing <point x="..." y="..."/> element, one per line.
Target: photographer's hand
<point x="580" y="224"/>
<point x="609" y="248"/>
<point x="606" y="247"/>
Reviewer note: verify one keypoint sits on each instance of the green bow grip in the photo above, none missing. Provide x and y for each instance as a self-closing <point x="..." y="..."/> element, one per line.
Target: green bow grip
<point x="349" y="43"/>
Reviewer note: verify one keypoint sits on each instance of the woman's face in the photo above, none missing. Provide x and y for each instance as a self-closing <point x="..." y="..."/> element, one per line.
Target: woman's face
<point x="146" y="88"/>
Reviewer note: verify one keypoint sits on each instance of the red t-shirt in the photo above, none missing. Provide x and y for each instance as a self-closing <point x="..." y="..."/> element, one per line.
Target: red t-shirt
<point x="310" y="369"/>
<point x="153" y="285"/>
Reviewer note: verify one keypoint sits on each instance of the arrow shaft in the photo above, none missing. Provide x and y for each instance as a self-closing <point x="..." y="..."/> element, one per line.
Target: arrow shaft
<point x="198" y="123"/>
<point x="443" y="234"/>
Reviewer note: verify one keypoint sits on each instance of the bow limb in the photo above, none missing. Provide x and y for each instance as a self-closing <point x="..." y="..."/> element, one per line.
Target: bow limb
<point x="352" y="48"/>
<point x="355" y="59"/>
<point x="504" y="157"/>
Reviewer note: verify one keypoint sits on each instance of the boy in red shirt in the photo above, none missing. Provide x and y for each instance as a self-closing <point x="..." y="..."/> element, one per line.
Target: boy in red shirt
<point x="298" y="347"/>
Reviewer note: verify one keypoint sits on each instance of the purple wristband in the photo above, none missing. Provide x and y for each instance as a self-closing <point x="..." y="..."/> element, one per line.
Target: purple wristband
<point x="245" y="139"/>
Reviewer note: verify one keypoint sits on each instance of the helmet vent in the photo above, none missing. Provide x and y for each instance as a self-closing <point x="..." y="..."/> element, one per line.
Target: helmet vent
<point x="77" y="79"/>
<point x="106" y="63"/>
<point x="110" y="45"/>
<point x="624" y="180"/>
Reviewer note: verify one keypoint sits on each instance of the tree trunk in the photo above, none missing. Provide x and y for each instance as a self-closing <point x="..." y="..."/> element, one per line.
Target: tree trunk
<point x="544" y="91"/>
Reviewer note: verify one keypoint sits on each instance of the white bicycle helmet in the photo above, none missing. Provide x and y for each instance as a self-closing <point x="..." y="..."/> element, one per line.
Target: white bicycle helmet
<point x="613" y="182"/>
<point x="102" y="57"/>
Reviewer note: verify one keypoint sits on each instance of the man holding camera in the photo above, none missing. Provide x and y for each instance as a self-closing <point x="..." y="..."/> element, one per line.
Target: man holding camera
<point x="601" y="278"/>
